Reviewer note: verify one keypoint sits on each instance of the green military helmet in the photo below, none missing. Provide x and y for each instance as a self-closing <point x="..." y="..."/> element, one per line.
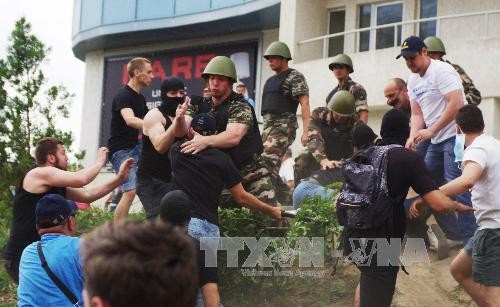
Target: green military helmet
<point x="434" y="44"/>
<point x="220" y="65"/>
<point x="279" y="49"/>
<point x="343" y="59"/>
<point x="342" y="103"/>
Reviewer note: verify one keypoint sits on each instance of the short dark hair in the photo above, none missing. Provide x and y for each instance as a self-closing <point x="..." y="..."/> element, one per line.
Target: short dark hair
<point x="44" y="147"/>
<point x="136" y="263"/>
<point x="470" y="119"/>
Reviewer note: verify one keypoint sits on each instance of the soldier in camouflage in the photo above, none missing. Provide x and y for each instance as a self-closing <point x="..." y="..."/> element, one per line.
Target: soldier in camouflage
<point x="238" y="132"/>
<point x="342" y="66"/>
<point x="282" y="94"/>
<point x="329" y="136"/>
<point x="436" y="50"/>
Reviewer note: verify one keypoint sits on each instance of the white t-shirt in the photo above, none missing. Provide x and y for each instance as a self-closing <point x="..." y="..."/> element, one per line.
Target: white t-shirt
<point x="485" y="151"/>
<point x="429" y="91"/>
<point x="286" y="170"/>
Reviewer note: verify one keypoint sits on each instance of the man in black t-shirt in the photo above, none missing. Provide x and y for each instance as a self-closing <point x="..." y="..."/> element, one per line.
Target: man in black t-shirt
<point x="176" y="209"/>
<point x="405" y="168"/>
<point x="128" y="109"/>
<point x="204" y="175"/>
<point x="50" y="176"/>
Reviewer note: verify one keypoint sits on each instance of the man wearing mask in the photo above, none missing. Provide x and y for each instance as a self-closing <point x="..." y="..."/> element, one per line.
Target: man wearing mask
<point x="154" y="173"/>
<point x="397" y="95"/>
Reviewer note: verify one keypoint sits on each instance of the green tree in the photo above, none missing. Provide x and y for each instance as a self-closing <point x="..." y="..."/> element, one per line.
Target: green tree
<point x="29" y="108"/>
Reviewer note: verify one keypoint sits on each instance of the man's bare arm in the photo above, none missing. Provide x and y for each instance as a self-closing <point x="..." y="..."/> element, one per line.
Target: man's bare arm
<point x="154" y="128"/>
<point x="42" y="178"/>
<point x="231" y="137"/>
<point x="88" y="195"/>
<point x="471" y="172"/>
<point x="210" y="294"/>
<point x="305" y="111"/>
<point x="416" y="123"/>
<point x="455" y="102"/>
<point x="248" y="200"/>
<point x="130" y="119"/>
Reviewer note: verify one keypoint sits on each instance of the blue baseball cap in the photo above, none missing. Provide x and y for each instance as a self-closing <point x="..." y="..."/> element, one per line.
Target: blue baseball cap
<point x="53" y="209"/>
<point x="411" y="46"/>
<point x="204" y="124"/>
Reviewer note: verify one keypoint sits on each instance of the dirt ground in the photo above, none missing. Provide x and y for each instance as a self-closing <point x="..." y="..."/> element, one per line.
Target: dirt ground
<point x="430" y="285"/>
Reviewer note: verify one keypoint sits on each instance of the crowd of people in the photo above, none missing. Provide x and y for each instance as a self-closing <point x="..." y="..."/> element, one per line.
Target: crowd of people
<point x="178" y="159"/>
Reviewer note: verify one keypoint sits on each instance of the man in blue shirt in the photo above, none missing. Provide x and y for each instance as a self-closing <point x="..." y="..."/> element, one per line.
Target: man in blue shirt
<point x="55" y="220"/>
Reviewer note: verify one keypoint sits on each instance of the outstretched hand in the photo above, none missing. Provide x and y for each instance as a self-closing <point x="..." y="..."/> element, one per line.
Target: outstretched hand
<point x="102" y="154"/>
<point x="182" y="108"/>
<point x="125" y="169"/>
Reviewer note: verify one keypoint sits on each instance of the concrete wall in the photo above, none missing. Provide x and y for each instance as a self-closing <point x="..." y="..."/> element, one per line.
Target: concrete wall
<point x="465" y="40"/>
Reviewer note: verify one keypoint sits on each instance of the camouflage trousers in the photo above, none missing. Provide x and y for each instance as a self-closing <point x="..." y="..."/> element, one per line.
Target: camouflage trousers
<point x="278" y="134"/>
<point x="257" y="180"/>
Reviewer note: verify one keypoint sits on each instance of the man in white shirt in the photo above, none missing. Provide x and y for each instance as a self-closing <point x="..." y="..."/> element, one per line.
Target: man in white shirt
<point x="436" y="94"/>
<point x="477" y="266"/>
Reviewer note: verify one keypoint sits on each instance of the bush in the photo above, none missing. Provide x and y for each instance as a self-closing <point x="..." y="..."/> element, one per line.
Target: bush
<point x="317" y="218"/>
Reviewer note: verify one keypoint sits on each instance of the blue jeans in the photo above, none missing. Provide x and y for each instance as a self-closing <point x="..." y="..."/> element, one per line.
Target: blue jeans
<point x="117" y="159"/>
<point x="440" y="160"/>
<point x="308" y="189"/>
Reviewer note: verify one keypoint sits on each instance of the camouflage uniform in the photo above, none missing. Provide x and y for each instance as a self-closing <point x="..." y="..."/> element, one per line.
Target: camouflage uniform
<point x="357" y="90"/>
<point x="257" y="179"/>
<point x="322" y="121"/>
<point x="279" y="130"/>
<point x="472" y="94"/>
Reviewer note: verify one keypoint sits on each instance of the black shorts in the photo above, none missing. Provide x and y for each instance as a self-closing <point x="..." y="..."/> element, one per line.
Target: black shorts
<point x="377" y="285"/>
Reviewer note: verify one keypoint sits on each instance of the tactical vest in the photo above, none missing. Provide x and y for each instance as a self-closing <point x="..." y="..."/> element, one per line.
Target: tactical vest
<point x="273" y="99"/>
<point x="338" y="140"/>
<point x="250" y="145"/>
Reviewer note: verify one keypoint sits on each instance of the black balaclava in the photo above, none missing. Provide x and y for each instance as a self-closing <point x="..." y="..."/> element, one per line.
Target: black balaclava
<point x="169" y="104"/>
<point x="395" y="128"/>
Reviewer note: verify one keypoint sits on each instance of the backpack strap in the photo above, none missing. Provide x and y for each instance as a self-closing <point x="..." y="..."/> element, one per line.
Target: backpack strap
<point x="67" y="292"/>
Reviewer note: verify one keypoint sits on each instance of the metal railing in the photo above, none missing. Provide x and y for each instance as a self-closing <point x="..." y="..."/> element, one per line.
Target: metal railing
<point x="438" y="19"/>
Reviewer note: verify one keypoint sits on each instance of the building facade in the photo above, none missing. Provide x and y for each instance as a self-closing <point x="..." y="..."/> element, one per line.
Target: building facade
<point x="180" y="36"/>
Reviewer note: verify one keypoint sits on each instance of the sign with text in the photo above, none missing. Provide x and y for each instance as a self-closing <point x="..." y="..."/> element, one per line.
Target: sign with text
<point x="184" y="64"/>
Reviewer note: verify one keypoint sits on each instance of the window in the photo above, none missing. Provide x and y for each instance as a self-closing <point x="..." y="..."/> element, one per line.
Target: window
<point x="428" y="8"/>
<point x="336" y="25"/>
<point x="371" y="15"/>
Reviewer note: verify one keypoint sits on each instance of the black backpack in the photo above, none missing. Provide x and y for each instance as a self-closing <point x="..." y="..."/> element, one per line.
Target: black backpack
<point x="364" y="201"/>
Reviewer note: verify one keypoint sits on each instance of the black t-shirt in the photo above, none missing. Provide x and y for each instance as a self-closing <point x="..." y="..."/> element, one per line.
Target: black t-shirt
<point x="123" y="136"/>
<point x="405" y="168"/>
<point x="23" y="228"/>
<point x="203" y="176"/>
<point x="205" y="274"/>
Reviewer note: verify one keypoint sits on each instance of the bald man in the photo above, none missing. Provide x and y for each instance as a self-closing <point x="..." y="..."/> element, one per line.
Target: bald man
<point x="397" y="95"/>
